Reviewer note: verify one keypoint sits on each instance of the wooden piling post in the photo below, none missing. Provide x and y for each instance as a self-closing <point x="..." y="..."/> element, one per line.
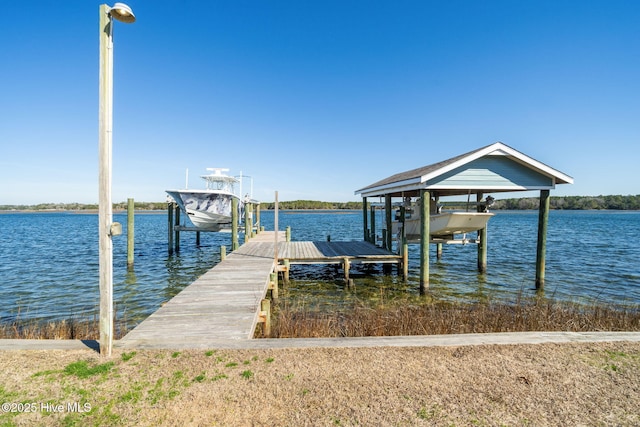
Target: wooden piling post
<point x="482" y="250"/>
<point x="438" y="245"/>
<point x="130" y="233"/>
<point x="372" y="235"/>
<point x="425" y="235"/>
<point x="346" y="265"/>
<point x="223" y="252"/>
<point x="387" y="234"/>
<point x="482" y="244"/>
<point x="258" y="227"/>
<point x="388" y="217"/>
<point x="351" y="285"/>
<point x="405" y="262"/>
<point x="287" y="267"/>
<point x="251" y="218"/>
<point x="175" y="228"/>
<point x="247" y="222"/>
<point x="234" y="224"/>
<point x="275" y="227"/>
<point x="265" y="317"/>
<point x="364" y="220"/>
<point x="273" y="285"/>
<point x="543" y="220"/>
<point x="197" y="238"/>
<point x="287" y="233"/>
<point x="402" y="238"/>
<point x="170" y="225"/>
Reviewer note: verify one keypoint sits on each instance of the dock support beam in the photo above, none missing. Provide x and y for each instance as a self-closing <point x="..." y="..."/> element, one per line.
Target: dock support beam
<point x="176" y="232"/>
<point x="372" y="234"/>
<point x="265" y="317"/>
<point x="247" y="222"/>
<point x="388" y="218"/>
<point x="258" y="218"/>
<point x="425" y="219"/>
<point x="405" y="262"/>
<point x="286" y="266"/>
<point x="482" y="236"/>
<point x="365" y="226"/>
<point x="543" y="220"/>
<point x="438" y="245"/>
<point x="130" y="233"/>
<point x="170" y="225"/>
<point x="273" y="284"/>
<point x="234" y="224"/>
<point x="346" y="266"/>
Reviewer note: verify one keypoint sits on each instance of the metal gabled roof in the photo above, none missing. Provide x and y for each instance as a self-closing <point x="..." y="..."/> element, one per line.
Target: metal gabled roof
<point x="412" y="181"/>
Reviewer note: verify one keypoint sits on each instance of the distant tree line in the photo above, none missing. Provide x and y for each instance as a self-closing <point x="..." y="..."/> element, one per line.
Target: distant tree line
<point x="311" y="204"/>
<point x="145" y="206"/>
<point x="615" y="202"/>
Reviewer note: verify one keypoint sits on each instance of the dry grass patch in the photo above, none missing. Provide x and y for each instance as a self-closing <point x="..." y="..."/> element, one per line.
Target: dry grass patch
<point x="550" y="384"/>
<point x="450" y="318"/>
<point x="65" y="329"/>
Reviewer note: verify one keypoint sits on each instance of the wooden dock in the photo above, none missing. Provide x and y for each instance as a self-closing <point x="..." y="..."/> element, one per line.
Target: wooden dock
<point x="225" y="303"/>
<point x="320" y="252"/>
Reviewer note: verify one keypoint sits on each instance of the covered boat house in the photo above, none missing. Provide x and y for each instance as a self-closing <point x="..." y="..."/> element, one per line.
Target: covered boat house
<point x="495" y="168"/>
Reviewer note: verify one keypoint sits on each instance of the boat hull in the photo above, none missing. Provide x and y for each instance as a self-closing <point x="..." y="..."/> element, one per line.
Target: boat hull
<point x="445" y="224"/>
<point x="207" y="210"/>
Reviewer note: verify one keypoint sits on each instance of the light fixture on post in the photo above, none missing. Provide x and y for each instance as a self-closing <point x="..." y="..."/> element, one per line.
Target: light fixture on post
<point x="122" y="13"/>
<point x="106" y="227"/>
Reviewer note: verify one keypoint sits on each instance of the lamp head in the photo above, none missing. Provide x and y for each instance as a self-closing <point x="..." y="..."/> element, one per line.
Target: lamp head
<point x="122" y="13"/>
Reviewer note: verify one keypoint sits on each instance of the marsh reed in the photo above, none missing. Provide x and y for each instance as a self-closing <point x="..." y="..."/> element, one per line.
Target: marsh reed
<point x="386" y="319"/>
<point x="73" y="328"/>
<point x="451" y="318"/>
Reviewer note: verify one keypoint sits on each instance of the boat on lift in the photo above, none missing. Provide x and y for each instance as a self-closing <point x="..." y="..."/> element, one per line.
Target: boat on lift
<point x="209" y="209"/>
<point x="442" y="225"/>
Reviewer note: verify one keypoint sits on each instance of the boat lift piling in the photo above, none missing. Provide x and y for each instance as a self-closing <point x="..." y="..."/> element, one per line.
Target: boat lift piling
<point x="130" y="233"/>
<point x="174" y="227"/>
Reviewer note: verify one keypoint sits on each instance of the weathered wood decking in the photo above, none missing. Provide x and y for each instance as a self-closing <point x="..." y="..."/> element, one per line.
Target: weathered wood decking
<point x="320" y="252"/>
<point x="224" y="303"/>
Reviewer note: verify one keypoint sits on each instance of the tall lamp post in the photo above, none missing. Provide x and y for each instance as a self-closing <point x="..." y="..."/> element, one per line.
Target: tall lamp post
<point x="106" y="227"/>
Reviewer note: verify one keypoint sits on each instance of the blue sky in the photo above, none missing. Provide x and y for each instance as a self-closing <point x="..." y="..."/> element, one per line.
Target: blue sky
<point x="316" y="99"/>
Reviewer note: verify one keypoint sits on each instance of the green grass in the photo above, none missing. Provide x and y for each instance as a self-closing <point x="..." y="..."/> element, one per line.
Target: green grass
<point x="82" y="369"/>
<point x="127" y="356"/>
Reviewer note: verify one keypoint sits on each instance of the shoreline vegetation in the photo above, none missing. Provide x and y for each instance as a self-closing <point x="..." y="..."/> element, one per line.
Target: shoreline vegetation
<point x="386" y="319"/>
<point x="611" y="202"/>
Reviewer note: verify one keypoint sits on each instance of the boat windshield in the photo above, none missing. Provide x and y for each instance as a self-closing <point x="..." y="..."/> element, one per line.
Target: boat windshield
<point x="219" y="181"/>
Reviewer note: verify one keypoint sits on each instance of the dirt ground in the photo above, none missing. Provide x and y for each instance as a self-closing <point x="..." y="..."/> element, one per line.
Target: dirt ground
<point x="588" y="384"/>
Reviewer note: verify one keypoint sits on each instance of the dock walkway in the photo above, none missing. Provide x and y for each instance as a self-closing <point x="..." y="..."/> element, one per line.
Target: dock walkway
<point x="225" y="302"/>
<point x="320" y="252"/>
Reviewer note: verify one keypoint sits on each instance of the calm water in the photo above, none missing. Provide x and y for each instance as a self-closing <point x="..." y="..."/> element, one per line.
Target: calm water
<point x="49" y="262"/>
